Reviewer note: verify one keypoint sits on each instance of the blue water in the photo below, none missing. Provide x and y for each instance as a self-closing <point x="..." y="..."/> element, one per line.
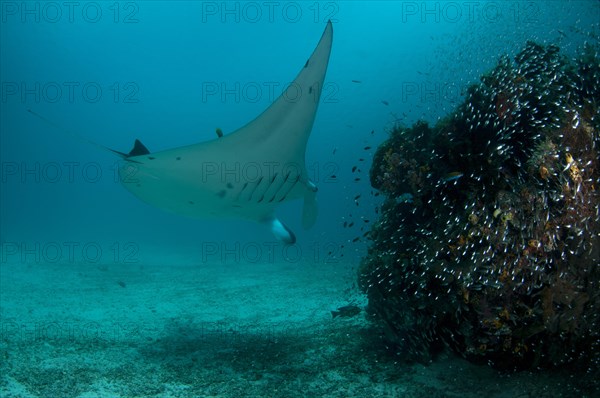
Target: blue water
<point x="155" y="66"/>
<point x="170" y="73"/>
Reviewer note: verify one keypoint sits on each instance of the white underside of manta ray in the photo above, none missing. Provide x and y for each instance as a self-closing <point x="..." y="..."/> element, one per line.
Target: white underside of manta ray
<point x="245" y="174"/>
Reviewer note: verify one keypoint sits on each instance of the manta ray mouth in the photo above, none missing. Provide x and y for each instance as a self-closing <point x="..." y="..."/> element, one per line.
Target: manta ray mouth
<point x="281" y="232"/>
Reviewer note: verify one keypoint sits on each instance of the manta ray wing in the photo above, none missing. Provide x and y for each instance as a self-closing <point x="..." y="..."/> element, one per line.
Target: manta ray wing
<point x="247" y="173"/>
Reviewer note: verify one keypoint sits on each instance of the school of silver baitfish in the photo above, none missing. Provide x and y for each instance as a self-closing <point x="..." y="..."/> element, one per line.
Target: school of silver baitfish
<point x="488" y="241"/>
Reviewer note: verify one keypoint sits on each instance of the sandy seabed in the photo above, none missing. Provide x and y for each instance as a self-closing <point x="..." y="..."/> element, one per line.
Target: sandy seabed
<point x="215" y="330"/>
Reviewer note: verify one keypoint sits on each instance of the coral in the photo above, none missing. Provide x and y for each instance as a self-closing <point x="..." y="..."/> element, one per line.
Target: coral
<point x="498" y="256"/>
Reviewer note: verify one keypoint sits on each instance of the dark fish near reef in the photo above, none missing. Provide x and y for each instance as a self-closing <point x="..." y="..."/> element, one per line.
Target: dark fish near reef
<point x="385" y="103"/>
<point x="347" y="311"/>
<point x="356" y="81"/>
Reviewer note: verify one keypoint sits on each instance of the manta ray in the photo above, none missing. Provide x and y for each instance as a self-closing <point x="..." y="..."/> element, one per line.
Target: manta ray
<point x="245" y="174"/>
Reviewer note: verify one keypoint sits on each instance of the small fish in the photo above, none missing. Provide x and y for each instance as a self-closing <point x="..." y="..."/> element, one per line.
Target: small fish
<point x="455" y="175"/>
<point x="356" y="81"/>
<point x="351" y="224"/>
<point x="121" y="283"/>
<point x="385" y="102"/>
<point x="372" y="132"/>
<point x="347" y="311"/>
<point x="345" y="224"/>
<point x="367" y="148"/>
<point x="356" y="197"/>
<point x="356" y="239"/>
<point x="357" y="179"/>
<point x="334" y="151"/>
<point x="361" y="160"/>
<point x="333" y="176"/>
<point x="219" y="132"/>
<point x="353" y="169"/>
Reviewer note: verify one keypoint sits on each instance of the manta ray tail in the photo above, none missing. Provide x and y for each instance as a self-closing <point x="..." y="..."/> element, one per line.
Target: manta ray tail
<point x="280" y="231"/>
<point x="138" y="147"/>
<point x="137" y="150"/>
<point x="71" y="134"/>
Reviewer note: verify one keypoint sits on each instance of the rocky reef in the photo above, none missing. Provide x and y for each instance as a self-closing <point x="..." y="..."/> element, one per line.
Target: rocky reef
<point x="488" y="240"/>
